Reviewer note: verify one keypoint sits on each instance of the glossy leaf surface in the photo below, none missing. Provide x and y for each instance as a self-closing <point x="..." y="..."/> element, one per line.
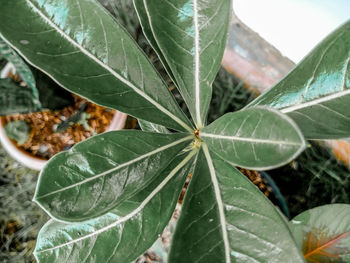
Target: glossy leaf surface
<point x="15" y="99"/>
<point x="98" y="174"/>
<point x="256" y="138"/>
<point x="86" y="51"/>
<point x="316" y="94"/>
<point x="323" y="233"/>
<point x="112" y="238"/>
<point x="21" y="68"/>
<point x="191" y="35"/>
<point x="147" y="30"/>
<point x="225" y="218"/>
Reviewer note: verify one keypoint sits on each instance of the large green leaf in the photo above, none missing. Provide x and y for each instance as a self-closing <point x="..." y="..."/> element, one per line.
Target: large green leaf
<point x="323" y="233"/>
<point x="15" y="99"/>
<point x="256" y="138"/>
<point x="99" y="173"/>
<point x="22" y="69"/>
<point x="112" y="238"/>
<point x="316" y="94"/>
<point x="191" y="36"/>
<point x="147" y="30"/>
<point x="85" y="50"/>
<point x="225" y="218"/>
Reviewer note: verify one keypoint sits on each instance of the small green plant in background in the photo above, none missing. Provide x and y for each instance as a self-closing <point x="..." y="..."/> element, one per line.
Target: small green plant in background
<point x="18" y="131"/>
<point x="36" y="92"/>
<point x="112" y="195"/>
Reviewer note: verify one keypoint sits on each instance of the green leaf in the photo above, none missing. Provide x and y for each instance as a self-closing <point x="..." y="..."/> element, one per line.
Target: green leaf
<point x="22" y="69"/>
<point x="225" y="218"/>
<point x="112" y="238"/>
<point x="99" y="173"/>
<point x="147" y="30"/>
<point x="191" y="36"/>
<point x="323" y="233"/>
<point x="15" y="99"/>
<point x="79" y="116"/>
<point x="316" y="94"/>
<point x="18" y="131"/>
<point x="256" y="138"/>
<point x="152" y="127"/>
<point x="85" y="50"/>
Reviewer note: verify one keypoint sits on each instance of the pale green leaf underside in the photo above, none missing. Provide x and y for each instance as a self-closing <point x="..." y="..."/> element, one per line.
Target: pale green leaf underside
<point x="100" y="173"/>
<point x="152" y="127"/>
<point x="21" y="68"/>
<point x="329" y="225"/>
<point x="256" y="138"/>
<point x="225" y="218"/>
<point x="316" y="94"/>
<point x="85" y="50"/>
<point x="191" y="36"/>
<point x="112" y="238"/>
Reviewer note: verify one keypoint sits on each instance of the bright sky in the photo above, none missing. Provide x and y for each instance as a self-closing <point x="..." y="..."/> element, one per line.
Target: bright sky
<point x="293" y="26"/>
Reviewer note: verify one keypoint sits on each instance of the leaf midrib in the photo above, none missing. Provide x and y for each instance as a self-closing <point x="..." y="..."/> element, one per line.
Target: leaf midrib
<point x="246" y="139"/>
<point x="219" y="202"/>
<point x="106" y="67"/>
<point x="197" y="63"/>
<point x="327" y="244"/>
<point x="310" y="103"/>
<point x="134" y="212"/>
<point x="165" y="147"/>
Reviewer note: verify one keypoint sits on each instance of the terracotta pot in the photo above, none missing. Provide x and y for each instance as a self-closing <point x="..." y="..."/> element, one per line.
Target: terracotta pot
<point x="29" y="160"/>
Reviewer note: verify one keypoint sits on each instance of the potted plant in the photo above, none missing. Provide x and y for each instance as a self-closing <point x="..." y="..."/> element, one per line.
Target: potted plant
<point x="32" y="138"/>
<point x="110" y="196"/>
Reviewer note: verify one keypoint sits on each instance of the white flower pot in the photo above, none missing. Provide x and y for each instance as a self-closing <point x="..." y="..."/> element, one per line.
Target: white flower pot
<point x="31" y="161"/>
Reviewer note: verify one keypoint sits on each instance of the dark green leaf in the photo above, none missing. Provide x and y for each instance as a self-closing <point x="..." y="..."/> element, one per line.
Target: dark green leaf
<point x="22" y="69"/>
<point x="191" y="36"/>
<point x="323" y="233"/>
<point x="51" y="95"/>
<point x="15" y="99"/>
<point x="316" y="94"/>
<point x="146" y="28"/>
<point x="18" y="131"/>
<point x="256" y="138"/>
<point x="225" y="218"/>
<point x="101" y="172"/>
<point x="112" y="238"/>
<point x="77" y="117"/>
<point x="86" y="51"/>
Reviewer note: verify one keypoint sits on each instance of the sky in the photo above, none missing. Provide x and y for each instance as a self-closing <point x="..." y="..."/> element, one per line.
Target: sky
<point x="293" y="26"/>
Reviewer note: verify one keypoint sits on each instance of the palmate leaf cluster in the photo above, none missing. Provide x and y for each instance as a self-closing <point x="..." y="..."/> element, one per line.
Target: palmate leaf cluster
<point x="112" y="195"/>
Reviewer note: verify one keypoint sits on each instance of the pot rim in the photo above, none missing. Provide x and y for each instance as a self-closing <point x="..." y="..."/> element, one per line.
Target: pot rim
<point x="29" y="160"/>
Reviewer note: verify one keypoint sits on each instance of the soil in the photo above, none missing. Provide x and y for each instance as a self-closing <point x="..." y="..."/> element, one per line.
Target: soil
<point x="44" y="142"/>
